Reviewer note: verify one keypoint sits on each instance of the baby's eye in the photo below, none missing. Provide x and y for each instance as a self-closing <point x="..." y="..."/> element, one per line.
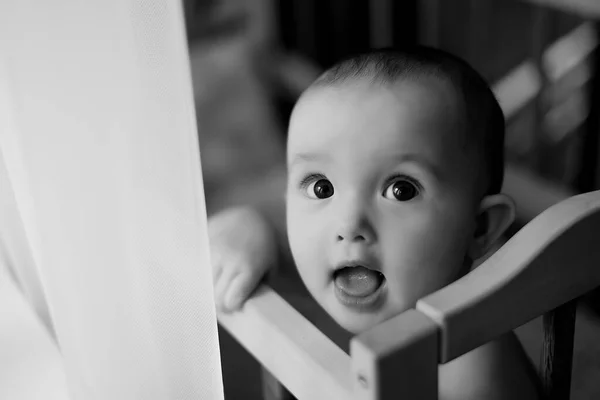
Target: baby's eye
<point x="318" y="187"/>
<point x="401" y="189"/>
<point x="321" y="189"/>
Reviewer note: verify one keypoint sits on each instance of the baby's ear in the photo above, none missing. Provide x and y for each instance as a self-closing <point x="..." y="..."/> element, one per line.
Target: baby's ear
<point x="496" y="214"/>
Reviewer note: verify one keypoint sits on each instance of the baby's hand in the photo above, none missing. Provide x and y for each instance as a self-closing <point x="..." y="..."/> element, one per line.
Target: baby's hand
<point x="242" y="249"/>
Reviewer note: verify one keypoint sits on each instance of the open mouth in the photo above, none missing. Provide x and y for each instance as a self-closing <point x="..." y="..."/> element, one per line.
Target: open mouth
<point x="358" y="286"/>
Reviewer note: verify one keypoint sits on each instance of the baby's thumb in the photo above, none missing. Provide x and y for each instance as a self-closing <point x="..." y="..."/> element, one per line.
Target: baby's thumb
<point x="240" y="289"/>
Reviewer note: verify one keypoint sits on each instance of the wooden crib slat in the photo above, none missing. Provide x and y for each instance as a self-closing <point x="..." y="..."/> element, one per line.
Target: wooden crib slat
<point x="551" y="261"/>
<point x="272" y="389"/>
<point x="397" y="359"/>
<point x="557" y="351"/>
<point x="381" y="23"/>
<point x="301" y="357"/>
<point x="429" y="14"/>
<point x="541" y="31"/>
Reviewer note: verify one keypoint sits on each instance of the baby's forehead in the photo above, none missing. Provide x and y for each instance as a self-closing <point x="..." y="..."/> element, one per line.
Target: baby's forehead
<point x="424" y="95"/>
<point x="423" y="110"/>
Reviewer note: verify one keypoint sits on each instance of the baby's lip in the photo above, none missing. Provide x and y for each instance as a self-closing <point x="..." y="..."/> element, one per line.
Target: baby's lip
<point x="369" y="264"/>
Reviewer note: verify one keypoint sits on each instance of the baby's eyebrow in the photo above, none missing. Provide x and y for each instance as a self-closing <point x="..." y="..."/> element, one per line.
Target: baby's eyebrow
<point x="308" y="157"/>
<point x="421" y="161"/>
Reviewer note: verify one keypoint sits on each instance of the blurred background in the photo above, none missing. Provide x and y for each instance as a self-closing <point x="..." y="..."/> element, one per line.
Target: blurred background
<point x="251" y="59"/>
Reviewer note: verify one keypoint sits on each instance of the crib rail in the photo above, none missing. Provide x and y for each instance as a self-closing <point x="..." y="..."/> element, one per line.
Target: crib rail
<point x="302" y="358"/>
<point x="552" y="260"/>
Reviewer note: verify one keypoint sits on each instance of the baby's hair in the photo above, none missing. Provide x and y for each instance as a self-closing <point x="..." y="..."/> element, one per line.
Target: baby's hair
<point x="484" y="117"/>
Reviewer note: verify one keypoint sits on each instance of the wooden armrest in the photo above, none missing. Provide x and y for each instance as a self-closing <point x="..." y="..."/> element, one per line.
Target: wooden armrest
<point x="552" y="260"/>
<point x="300" y="356"/>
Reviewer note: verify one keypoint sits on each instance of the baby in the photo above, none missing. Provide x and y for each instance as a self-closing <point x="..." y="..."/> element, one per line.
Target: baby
<point x="395" y="165"/>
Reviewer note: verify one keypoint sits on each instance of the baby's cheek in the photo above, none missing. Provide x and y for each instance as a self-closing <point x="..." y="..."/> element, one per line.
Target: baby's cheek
<point x="422" y="262"/>
<point x="303" y="242"/>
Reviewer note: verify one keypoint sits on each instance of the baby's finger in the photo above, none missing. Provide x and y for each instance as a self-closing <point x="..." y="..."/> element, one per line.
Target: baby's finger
<point x="222" y="286"/>
<point x="240" y="289"/>
<point x="220" y="261"/>
<point x="220" y="289"/>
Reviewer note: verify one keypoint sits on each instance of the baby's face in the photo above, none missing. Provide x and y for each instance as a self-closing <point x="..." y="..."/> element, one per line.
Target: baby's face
<point x="380" y="199"/>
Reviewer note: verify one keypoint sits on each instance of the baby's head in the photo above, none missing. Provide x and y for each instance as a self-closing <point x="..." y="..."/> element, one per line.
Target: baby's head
<point x="395" y="166"/>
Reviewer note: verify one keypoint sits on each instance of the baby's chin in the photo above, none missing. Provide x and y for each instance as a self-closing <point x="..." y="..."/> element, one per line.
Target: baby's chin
<point x="357" y="322"/>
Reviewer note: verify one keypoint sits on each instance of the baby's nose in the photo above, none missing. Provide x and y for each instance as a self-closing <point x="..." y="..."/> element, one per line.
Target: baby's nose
<point x="352" y="237"/>
<point x="355" y="228"/>
<point x="352" y="220"/>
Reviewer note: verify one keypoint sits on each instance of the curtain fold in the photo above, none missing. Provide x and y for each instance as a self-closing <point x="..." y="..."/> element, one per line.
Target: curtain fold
<point x="30" y="364"/>
<point x="98" y="137"/>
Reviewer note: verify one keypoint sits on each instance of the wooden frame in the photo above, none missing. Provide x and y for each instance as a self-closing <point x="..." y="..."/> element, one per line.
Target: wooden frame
<point x="550" y="262"/>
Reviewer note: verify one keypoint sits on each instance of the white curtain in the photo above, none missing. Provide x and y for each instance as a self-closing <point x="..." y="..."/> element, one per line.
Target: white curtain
<point x="105" y="291"/>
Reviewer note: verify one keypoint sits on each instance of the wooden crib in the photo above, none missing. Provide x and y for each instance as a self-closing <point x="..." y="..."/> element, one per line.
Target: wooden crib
<point x="542" y="270"/>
